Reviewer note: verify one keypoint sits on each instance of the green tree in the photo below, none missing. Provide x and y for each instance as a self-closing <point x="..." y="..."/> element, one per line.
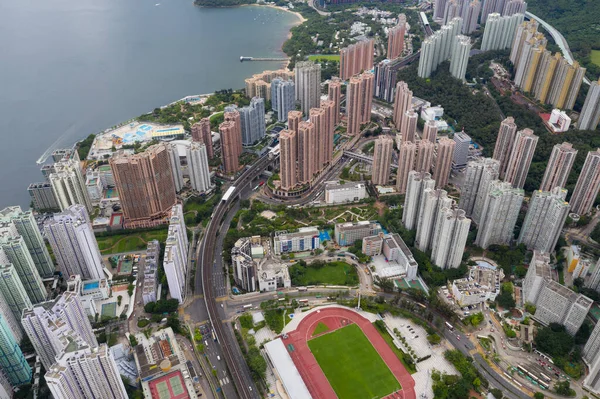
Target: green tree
<point x="538" y="395"/>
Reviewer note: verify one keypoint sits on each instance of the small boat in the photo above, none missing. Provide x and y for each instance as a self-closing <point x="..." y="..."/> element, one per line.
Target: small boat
<point x="157" y="4"/>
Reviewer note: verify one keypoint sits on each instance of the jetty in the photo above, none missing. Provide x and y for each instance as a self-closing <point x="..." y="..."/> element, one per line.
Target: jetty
<point x="243" y="58"/>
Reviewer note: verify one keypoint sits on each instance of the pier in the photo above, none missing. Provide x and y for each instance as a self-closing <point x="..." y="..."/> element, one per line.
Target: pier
<point x="242" y="59"/>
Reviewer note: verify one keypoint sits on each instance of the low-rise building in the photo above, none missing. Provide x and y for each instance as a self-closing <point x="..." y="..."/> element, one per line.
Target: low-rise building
<point x="162" y="366"/>
<point x="482" y="284"/>
<point x="89" y="291"/>
<point x="273" y="276"/>
<point x="371" y="246"/>
<point x="94" y="187"/>
<point x="304" y="239"/>
<point x="394" y="259"/>
<point x="336" y="192"/>
<point x="244" y="268"/>
<point x="347" y="234"/>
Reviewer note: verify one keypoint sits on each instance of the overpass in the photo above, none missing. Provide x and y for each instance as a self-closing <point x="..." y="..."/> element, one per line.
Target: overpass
<point x="559" y="39"/>
<point x="364" y="158"/>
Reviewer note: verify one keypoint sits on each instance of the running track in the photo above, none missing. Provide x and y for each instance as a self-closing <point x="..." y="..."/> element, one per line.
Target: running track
<point x="335" y="318"/>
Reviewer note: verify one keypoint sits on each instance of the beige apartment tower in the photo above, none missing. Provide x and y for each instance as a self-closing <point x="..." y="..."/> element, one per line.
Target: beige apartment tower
<point x="402" y="103"/>
<point x="306" y="152"/>
<point x="289" y="153"/>
<point x="229" y="150"/>
<point x="359" y="97"/>
<point x="424" y="160"/>
<point x="443" y="162"/>
<point x="396" y="38"/>
<point x="430" y="131"/>
<point x="294" y="118"/>
<point x="201" y="134"/>
<point x="334" y="93"/>
<point x="382" y="158"/>
<point x="559" y="166"/>
<point x="234" y="116"/>
<point x="409" y="126"/>
<point x="406" y="161"/>
<point x="356" y="58"/>
<point x="145" y="183"/>
<point x="520" y="158"/>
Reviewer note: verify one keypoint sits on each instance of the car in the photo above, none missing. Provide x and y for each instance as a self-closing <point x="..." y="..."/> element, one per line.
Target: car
<point x="492" y="330"/>
<point x="458" y="337"/>
<point x="489" y="321"/>
<point x="218" y="357"/>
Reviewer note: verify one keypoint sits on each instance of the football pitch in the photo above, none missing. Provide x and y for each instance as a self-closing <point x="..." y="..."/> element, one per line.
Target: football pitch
<point x="352" y="365"/>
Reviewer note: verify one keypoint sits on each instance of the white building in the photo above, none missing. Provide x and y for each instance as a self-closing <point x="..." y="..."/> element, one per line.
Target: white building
<point x="480" y="173"/>
<point x="272" y="276"/>
<point x="461" y="150"/>
<point x="13" y="296"/>
<point x="437" y="48"/>
<point x="175" y="262"/>
<point x="89" y="291"/>
<point x="150" y="284"/>
<point x="482" y="284"/>
<point x="559" y="121"/>
<point x="418" y="182"/>
<point x="68" y="185"/>
<point x="198" y="169"/>
<point x="591" y="356"/>
<point x="74" y="245"/>
<point x="244" y="268"/>
<point x="81" y="372"/>
<point x="544" y="220"/>
<point x="590" y="112"/>
<point x="53" y="325"/>
<point x="348" y="233"/>
<point x="94" y="186"/>
<point x="305" y="239"/>
<point x="499" y="31"/>
<point x="499" y="215"/>
<point x="450" y="237"/>
<point x="286" y="370"/>
<point x="432" y="113"/>
<point x="399" y="261"/>
<point x="459" y="59"/>
<point x="336" y="193"/>
<point x="594" y="281"/>
<point x="431" y="203"/>
<point x="175" y="163"/>
<point x="308" y="85"/>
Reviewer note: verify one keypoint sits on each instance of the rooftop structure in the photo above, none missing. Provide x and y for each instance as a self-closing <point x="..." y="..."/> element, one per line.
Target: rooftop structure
<point x="348" y="233"/>
<point x="286" y="370"/>
<point x="482" y="284"/>
<point x="336" y="193"/>
<point x="304" y="239"/>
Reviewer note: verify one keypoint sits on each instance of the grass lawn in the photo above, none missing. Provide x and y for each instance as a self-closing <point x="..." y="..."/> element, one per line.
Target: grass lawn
<point x="335" y="273"/>
<point x="410" y="367"/>
<point x="129" y="242"/>
<point x="595" y="56"/>
<point x="351" y="364"/>
<point x="321" y="328"/>
<point x="324" y="57"/>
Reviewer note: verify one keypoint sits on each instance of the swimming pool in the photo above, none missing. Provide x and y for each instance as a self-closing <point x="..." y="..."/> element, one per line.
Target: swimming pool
<point x="485" y="264"/>
<point x="144" y="127"/>
<point x="91" y="285"/>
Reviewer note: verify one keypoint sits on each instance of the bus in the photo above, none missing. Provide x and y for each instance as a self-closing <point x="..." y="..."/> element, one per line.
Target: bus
<point x="303" y="301"/>
<point x="281" y="299"/>
<point x="449" y="326"/>
<point x="545" y="377"/>
<point x="214" y="336"/>
<point x="248" y="306"/>
<point x="302" y="288"/>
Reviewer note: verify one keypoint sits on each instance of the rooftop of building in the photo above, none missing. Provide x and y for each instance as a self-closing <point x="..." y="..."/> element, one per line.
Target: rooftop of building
<point x="169" y="386"/>
<point x="357" y="225"/>
<point x="336" y="185"/>
<point x="302" y="231"/>
<point x="283" y="363"/>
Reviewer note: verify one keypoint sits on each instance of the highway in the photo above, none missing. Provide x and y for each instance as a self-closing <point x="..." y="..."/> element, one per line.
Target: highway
<point x="239" y="373"/>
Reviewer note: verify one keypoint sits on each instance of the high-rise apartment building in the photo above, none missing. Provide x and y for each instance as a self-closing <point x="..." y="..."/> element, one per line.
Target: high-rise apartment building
<point x="591" y="356"/>
<point x="289" y="153"/>
<point x="443" y="161"/>
<point x="326" y="134"/>
<point x="68" y="184"/>
<point x="201" y="134"/>
<point x="42" y="196"/>
<point x="470" y="15"/>
<point x="27" y="227"/>
<point x="294" y="118"/>
<point x="175" y="260"/>
<point x="402" y="103"/>
<point x="588" y="184"/>
<point x="406" y="162"/>
<point x="307" y="165"/>
<point x="396" y="38"/>
<point x="504" y="144"/>
<point x="386" y="77"/>
<point x="318" y="116"/>
<point x="424" y="156"/>
<point x="283" y="97"/>
<point x="459" y="60"/>
<point x="334" y="93"/>
<point x="6" y="311"/>
<point x="450" y="237"/>
<point x="499" y="31"/>
<point x="382" y="159"/>
<point x="544" y="220"/>
<point x="356" y="58"/>
<point x="590" y="113"/>
<point x="175" y="163"/>
<point x="418" y="182"/>
<point x="12" y="362"/>
<point x="359" y="97"/>
<point x="74" y="245"/>
<point x="197" y="159"/>
<point x="259" y="84"/>
<point x="229" y="150"/>
<point x="437" y="48"/>
<point x="559" y="166"/>
<point x="145" y="184"/>
<point x="232" y="114"/>
<point x="461" y="150"/>
<point x="430" y="131"/>
<point x="520" y="157"/>
<point x="513" y="7"/>
<point x="439" y="7"/>
<point x="479" y="174"/>
<point x="308" y="84"/>
<point x="491" y="7"/>
<point x="499" y="215"/>
<point x="525" y="32"/>
<point x="408" y="128"/>
<point x="252" y="119"/>
<point x="539" y="270"/>
<point x="431" y="203"/>
<point x="53" y="325"/>
<point x="565" y="85"/>
<point x="16" y="253"/>
<point x="12" y="292"/>
<point x="452" y="9"/>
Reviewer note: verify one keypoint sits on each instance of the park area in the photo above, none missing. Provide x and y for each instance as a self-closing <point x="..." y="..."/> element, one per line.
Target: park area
<point x="352" y="365"/>
<point x="319" y="272"/>
<point x="129" y="242"/>
<point x="595" y="56"/>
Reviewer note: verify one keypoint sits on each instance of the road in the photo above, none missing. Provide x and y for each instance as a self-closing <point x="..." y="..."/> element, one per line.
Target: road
<point x="232" y="370"/>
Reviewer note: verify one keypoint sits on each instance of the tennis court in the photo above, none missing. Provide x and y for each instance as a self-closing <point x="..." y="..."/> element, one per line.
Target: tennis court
<point x="109" y="310"/>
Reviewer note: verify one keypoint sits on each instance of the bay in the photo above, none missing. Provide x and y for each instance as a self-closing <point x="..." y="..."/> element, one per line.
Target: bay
<point x="69" y="68"/>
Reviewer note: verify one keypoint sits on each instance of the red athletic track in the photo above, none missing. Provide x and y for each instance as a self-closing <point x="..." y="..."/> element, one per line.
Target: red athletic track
<point x="335" y="318"/>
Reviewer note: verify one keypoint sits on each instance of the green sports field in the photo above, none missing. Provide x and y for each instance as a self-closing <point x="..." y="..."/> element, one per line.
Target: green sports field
<point x="324" y="57"/>
<point x="352" y="365"/>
